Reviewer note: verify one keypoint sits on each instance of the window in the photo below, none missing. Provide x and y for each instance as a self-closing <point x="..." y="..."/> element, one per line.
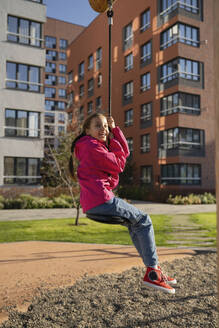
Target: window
<point x="98" y="103"/>
<point x="90" y="107"/>
<point x="182" y="138"/>
<point x="146" y="53"/>
<point x="146" y="113"/>
<point x="21" y="170"/>
<point x="62" y="80"/>
<point x="145" y="20"/>
<point x="62" y="68"/>
<point x="127" y="36"/>
<point x="128" y="62"/>
<point x="70" y="116"/>
<point x="167" y="6"/>
<point x="181" y="174"/>
<point x="180" y="33"/>
<point x="49" y="118"/>
<point x="50" y="79"/>
<point x="180" y="102"/>
<point x="61" y="105"/>
<point x="145" y="81"/>
<point x="90" y="62"/>
<point x="146" y="174"/>
<point x="62" y="93"/>
<point x="51" y="55"/>
<point x="24" y="31"/>
<point x="98" y="58"/>
<point x="128" y="91"/>
<point x="180" y="67"/>
<point x="50" y="92"/>
<point x="81" y="91"/>
<point x="81" y="113"/>
<point x="70" y="98"/>
<point x="23" y="77"/>
<point x="20" y="123"/>
<point x="90" y="87"/>
<point x="50" y="42"/>
<point x="62" y="56"/>
<point x="61" y="118"/>
<point x="63" y="44"/>
<point x="49" y="143"/>
<point x="130" y="145"/>
<point x="70" y="77"/>
<point x="129" y="117"/>
<point x="49" y="130"/>
<point x="145" y="143"/>
<point x="50" y="68"/>
<point x="49" y="104"/>
<point x="81" y="71"/>
<point x="99" y="80"/>
<point x="61" y="130"/>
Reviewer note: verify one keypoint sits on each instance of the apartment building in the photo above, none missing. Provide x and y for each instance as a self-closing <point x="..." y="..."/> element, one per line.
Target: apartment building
<point x="58" y="35"/>
<point x="22" y="61"/>
<point x="162" y="88"/>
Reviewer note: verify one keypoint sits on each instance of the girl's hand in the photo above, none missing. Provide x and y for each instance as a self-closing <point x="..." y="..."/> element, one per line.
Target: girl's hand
<point x="111" y="122"/>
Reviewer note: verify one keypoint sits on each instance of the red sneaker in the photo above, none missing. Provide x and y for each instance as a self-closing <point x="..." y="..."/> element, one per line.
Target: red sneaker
<point x="169" y="280"/>
<point x="154" y="278"/>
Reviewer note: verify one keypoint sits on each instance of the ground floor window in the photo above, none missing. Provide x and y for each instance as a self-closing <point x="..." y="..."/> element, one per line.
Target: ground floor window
<point x="21" y="170"/>
<point x="181" y="174"/>
<point x="146" y="174"/>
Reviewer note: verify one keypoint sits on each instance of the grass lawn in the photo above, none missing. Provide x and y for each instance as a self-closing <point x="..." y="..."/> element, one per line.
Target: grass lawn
<point x="206" y="221"/>
<point x="88" y="231"/>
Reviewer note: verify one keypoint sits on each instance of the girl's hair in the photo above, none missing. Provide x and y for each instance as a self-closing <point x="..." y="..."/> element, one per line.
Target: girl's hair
<point x="85" y="126"/>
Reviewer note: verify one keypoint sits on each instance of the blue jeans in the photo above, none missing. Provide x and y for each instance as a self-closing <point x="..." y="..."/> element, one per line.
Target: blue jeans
<point x="140" y="227"/>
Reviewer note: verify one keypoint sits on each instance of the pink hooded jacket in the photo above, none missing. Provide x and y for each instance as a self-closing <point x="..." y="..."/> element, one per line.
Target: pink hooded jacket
<point x="99" y="167"/>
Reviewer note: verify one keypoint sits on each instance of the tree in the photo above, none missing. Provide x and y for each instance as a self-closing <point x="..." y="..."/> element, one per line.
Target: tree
<point x="55" y="167"/>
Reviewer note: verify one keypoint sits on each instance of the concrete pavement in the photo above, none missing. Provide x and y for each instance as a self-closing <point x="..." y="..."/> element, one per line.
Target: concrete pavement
<point x="62" y="213"/>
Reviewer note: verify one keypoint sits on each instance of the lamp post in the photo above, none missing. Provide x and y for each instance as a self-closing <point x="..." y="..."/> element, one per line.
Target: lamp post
<point x="101" y="6"/>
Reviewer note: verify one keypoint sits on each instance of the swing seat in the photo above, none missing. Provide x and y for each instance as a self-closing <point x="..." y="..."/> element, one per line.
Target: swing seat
<point x="108" y="219"/>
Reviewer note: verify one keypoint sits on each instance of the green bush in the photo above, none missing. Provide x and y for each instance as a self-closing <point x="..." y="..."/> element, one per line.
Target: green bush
<point x="67" y="198"/>
<point x="206" y="198"/>
<point x="16" y="203"/>
<point x="60" y="202"/>
<point x="44" y="202"/>
<point x="28" y="201"/>
<point x="1" y="202"/>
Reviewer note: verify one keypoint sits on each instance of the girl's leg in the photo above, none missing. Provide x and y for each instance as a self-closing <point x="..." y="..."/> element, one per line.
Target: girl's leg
<point x="140" y="227"/>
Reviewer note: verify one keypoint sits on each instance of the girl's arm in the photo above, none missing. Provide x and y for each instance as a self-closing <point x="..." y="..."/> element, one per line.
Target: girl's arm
<point x="118" y="138"/>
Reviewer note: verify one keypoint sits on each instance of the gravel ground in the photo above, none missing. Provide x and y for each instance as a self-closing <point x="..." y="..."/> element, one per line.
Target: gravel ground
<point x="121" y="301"/>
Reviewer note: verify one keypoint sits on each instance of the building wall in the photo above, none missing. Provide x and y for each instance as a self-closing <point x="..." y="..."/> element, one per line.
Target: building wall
<point x="18" y="99"/>
<point x="67" y="31"/>
<point x="96" y="35"/>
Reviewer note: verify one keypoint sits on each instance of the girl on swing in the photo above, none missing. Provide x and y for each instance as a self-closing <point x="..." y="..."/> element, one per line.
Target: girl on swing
<point x="101" y="150"/>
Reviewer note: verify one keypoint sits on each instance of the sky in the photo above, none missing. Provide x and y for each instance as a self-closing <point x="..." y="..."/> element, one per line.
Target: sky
<point x="73" y="11"/>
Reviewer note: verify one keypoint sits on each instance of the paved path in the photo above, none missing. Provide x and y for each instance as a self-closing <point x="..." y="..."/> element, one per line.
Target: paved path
<point x="147" y="207"/>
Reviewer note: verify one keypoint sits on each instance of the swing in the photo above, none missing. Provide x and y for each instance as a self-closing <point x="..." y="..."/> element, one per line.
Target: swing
<point x="109" y="219"/>
<point x="102" y="6"/>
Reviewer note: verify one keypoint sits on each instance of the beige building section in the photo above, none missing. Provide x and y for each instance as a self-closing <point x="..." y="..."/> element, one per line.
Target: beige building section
<point x="18" y="99"/>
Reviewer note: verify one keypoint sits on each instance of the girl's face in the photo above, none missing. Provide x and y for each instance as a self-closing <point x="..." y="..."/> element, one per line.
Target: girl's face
<point x="98" y="128"/>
